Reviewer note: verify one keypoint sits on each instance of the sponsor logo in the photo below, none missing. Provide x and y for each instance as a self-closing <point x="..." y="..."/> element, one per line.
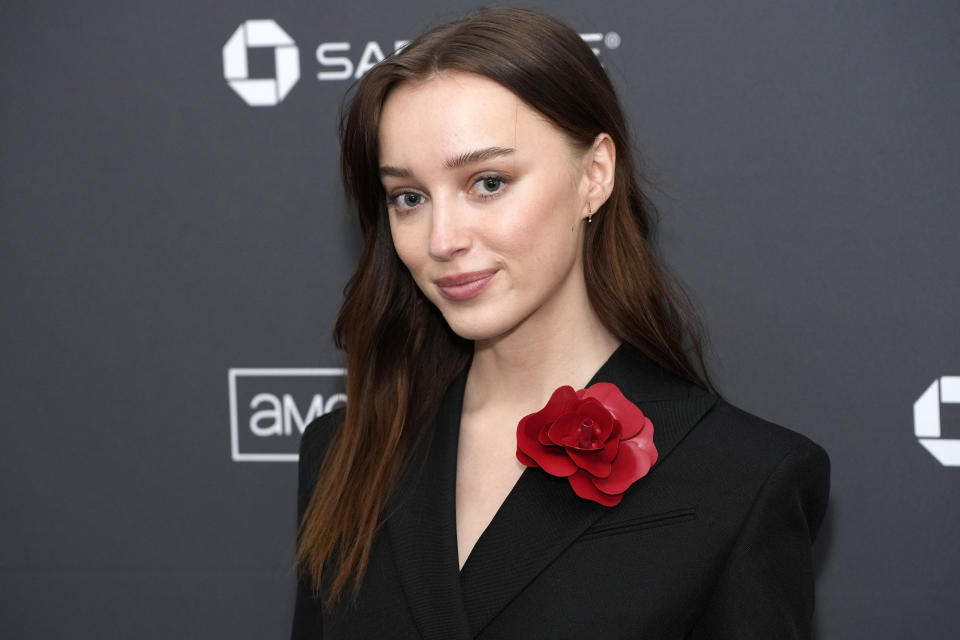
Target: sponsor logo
<point x="339" y="60"/>
<point x="270" y="408"/>
<point x="926" y="420"/>
<point x="609" y="40"/>
<point x="336" y="62"/>
<point x="261" y="92"/>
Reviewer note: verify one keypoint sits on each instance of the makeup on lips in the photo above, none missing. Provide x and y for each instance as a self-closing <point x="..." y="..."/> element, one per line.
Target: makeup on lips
<point x="464" y="286"/>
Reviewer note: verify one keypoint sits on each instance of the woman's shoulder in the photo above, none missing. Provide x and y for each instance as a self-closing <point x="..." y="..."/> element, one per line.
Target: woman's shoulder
<point x="741" y="457"/>
<point x="733" y="467"/>
<point x="742" y="436"/>
<point x="711" y="431"/>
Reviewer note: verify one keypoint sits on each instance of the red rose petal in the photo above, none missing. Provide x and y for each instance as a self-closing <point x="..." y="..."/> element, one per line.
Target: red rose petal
<point x="633" y="462"/>
<point x="534" y="425"/>
<point x="543" y="436"/>
<point x="566" y="432"/>
<point x="641" y="432"/>
<point x="527" y="434"/>
<point x="609" y="451"/>
<point x="558" y="403"/>
<point x="555" y="461"/>
<point x="583" y="487"/>
<point x="595" y="437"/>
<point x="525" y="459"/>
<point x="591" y="408"/>
<point x="628" y="414"/>
<point x="551" y="459"/>
<point x="644" y="442"/>
<point x="591" y="462"/>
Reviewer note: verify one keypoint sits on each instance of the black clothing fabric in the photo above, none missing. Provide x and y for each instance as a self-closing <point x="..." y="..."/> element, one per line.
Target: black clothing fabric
<point x="713" y="543"/>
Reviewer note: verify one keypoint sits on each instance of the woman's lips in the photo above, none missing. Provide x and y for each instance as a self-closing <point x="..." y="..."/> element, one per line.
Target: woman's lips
<point x="464" y="286"/>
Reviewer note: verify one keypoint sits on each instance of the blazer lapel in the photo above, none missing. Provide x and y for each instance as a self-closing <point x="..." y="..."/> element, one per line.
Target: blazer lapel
<point x="423" y="531"/>
<point x="542" y="516"/>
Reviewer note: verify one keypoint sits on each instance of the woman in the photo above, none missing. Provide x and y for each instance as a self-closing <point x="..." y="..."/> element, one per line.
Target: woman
<point x="468" y="490"/>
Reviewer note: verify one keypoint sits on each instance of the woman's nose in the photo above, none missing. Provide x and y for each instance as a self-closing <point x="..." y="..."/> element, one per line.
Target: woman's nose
<point x="449" y="235"/>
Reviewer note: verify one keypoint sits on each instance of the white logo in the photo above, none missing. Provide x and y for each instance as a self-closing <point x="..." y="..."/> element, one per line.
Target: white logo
<point x="270" y="408"/>
<point x="337" y="59"/>
<point x="261" y="92"/>
<point x="342" y="67"/>
<point x="610" y="40"/>
<point x="926" y="420"/>
<point x="336" y="62"/>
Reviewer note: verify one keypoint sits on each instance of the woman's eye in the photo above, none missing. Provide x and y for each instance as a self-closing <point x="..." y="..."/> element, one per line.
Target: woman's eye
<point x="411" y="199"/>
<point x="406" y="200"/>
<point x="489" y="185"/>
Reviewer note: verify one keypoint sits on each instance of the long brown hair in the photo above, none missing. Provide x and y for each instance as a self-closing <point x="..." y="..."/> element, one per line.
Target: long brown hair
<point x="401" y="355"/>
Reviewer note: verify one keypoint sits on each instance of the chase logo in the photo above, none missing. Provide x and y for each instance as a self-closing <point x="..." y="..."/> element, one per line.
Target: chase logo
<point x="339" y="60"/>
<point x="927" y="416"/>
<point x="270" y="408"/>
<point x="261" y="92"/>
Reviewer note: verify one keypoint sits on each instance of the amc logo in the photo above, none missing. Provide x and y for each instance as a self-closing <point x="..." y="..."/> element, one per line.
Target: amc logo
<point x="270" y="408"/>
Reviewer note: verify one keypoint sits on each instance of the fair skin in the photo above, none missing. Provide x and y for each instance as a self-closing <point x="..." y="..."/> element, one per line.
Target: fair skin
<point x="495" y="241"/>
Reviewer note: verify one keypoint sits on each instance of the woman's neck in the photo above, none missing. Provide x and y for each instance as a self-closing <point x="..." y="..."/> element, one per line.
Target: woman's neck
<point x="523" y="368"/>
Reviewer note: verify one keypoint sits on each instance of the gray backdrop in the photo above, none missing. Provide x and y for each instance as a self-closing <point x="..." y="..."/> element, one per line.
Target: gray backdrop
<point x="173" y="260"/>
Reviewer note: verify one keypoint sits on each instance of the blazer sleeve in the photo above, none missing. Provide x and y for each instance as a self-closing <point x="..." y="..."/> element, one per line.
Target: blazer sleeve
<point x="307" y="620"/>
<point x="766" y="589"/>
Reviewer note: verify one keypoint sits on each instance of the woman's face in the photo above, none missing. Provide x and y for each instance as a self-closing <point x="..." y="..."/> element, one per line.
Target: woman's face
<point x="486" y="200"/>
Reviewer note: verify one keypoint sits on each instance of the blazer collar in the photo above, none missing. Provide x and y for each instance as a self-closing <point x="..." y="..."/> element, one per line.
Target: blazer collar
<point x="540" y="517"/>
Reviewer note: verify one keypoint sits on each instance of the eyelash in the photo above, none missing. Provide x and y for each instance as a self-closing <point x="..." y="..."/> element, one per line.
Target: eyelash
<point x="394" y="198"/>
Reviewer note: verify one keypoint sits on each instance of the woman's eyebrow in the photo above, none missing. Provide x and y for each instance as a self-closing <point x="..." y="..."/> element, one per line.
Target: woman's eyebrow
<point x="453" y="163"/>
<point x="476" y="156"/>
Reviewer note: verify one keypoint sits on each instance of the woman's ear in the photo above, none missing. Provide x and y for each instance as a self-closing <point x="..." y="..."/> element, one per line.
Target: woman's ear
<point x="601" y="164"/>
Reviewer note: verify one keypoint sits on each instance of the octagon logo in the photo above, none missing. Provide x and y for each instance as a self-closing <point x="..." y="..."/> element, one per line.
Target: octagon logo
<point x="926" y="420"/>
<point x="261" y="92"/>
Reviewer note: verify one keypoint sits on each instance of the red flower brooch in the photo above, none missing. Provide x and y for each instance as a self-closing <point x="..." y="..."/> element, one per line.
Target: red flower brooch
<point x="596" y="438"/>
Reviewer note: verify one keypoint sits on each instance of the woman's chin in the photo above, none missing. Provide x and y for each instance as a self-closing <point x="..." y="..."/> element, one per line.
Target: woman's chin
<point x="473" y="333"/>
<point x="475" y="329"/>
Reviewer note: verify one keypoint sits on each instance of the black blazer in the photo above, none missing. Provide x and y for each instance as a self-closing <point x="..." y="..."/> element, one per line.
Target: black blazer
<point x="714" y="543"/>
